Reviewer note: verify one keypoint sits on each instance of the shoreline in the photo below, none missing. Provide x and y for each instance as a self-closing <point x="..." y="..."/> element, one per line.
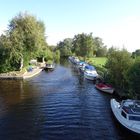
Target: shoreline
<point x="20" y="76"/>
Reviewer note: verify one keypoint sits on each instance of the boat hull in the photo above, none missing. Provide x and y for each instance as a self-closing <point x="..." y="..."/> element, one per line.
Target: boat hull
<point x="129" y="125"/>
<point x="49" y="67"/>
<point x="105" y="89"/>
<point x="90" y="77"/>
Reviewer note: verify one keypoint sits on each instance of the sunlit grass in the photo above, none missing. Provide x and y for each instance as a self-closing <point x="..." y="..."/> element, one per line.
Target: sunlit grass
<point x="98" y="61"/>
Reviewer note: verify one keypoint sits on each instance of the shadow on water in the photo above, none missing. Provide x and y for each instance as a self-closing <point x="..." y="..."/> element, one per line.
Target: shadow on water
<point x="57" y="105"/>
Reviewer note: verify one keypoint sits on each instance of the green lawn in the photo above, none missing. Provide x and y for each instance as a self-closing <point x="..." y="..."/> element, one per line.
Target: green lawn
<point x="97" y="61"/>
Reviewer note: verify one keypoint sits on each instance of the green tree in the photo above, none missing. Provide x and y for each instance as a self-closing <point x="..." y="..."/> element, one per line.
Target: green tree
<point x="101" y="49"/>
<point x="134" y="78"/>
<point x="118" y="63"/>
<point x="57" y="56"/>
<point x="65" y="47"/>
<point x="83" y="45"/>
<point x="28" y="32"/>
<point x="136" y="53"/>
<point x="4" y="53"/>
<point x="24" y="38"/>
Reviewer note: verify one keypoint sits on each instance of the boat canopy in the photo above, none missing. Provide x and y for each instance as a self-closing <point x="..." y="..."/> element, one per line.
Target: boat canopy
<point x="82" y="62"/>
<point x="89" y="67"/>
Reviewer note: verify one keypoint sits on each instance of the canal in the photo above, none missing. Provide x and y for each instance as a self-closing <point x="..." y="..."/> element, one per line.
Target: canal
<point x="57" y="105"/>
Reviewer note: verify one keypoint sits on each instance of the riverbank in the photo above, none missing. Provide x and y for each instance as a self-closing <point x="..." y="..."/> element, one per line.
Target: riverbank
<point x="20" y="75"/>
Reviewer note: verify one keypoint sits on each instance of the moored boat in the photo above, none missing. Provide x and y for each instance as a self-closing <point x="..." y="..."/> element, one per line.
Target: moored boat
<point x="71" y="58"/>
<point x="49" y="66"/>
<point x="90" y="72"/>
<point x="105" y="88"/>
<point x="76" y="60"/>
<point x="82" y="67"/>
<point x="127" y="113"/>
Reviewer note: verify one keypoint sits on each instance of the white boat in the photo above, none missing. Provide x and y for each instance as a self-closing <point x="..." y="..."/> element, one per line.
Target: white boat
<point x="105" y="88"/>
<point x="49" y="66"/>
<point x="76" y="60"/>
<point x="82" y="67"/>
<point x="127" y="113"/>
<point x="71" y="58"/>
<point x="90" y="73"/>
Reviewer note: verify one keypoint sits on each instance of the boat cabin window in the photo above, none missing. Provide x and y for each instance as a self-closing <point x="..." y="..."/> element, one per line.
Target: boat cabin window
<point x="123" y="114"/>
<point x="134" y="118"/>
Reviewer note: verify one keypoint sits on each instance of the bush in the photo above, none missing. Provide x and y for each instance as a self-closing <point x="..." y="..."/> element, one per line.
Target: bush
<point x="134" y="78"/>
<point x="118" y="63"/>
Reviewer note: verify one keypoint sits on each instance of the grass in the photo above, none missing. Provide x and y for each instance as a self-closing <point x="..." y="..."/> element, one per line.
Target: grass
<point x="97" y="61"/>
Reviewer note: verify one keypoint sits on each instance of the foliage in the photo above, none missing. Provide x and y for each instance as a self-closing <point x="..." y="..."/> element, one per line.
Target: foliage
<point x="118" y="63"/>
<point x="83" y="45"/>
<point x="52" y="47"/>
<point x="28" y="32"/>
<point x="136" y="53"/>
<point x="101" y="49"/>
<point x="48" y="55"/>
<point x="9" y="56"/>
<point x="24" y="38"/>
<point x="49" y="61"/>
<point x="111" y="50"/>
<point x="134" y="78"/>
<point x="57" y="56"/>
<point x="65" y="47"/>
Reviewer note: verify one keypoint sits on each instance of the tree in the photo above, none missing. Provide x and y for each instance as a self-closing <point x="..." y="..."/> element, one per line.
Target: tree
<point x="65" y="47"/>
<point x="28" y="32"/>
<point x="111" y="50"/>
<point x="83" y="45"/>
<point x="136" y="53"/>
<point x="118" y="63"/>
<point x="57" y="55"/>
<point x="4" y="53"/>
<point x="24" y="38"/>
<point x="134" y="78"/>
<point x="101" y="49"/>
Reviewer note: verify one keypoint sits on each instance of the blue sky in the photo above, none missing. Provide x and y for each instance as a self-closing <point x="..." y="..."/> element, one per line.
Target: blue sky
<point x="117" y="22"/>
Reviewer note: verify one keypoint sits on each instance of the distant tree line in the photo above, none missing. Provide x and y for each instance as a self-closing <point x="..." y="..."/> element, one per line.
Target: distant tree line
<point x="83" y="45"/>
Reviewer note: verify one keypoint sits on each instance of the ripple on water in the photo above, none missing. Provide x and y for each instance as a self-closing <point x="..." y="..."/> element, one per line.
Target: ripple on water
<point x="56" y="105"/>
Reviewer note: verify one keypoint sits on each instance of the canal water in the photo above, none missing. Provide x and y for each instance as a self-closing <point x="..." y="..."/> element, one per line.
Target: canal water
<point x="57" y="105"/>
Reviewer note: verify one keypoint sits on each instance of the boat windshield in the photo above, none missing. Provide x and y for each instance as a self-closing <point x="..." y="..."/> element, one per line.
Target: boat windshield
<point x="134" y="118"/>
<point x="131" y="107"/>
<point x="82" y="63"/>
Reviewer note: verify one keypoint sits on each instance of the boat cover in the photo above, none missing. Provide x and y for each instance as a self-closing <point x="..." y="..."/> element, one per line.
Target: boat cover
<point x="89" y="67"/>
